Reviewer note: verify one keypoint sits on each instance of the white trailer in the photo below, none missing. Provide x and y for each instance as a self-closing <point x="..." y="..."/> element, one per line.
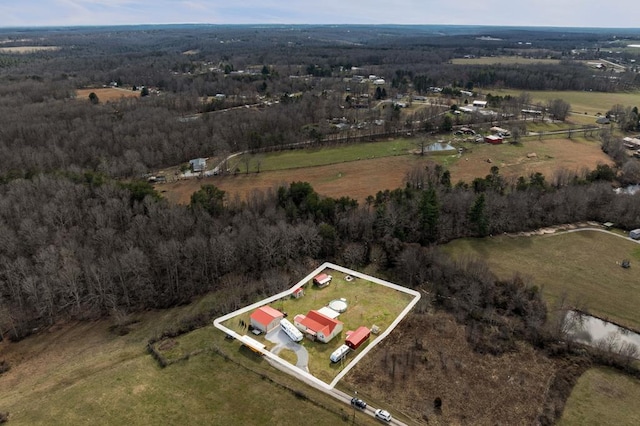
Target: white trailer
<point x="291" y="330"/>
<point x="635" y="234"/>
<point x="339" y="353"/>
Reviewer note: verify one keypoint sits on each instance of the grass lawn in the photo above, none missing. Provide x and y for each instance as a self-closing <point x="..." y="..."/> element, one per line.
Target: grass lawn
<point x="580" y="101"/>
<point x="583" y="265"/>
<point x="81" y="374"/>
<point x="603" y="396"/>
<point x="369" y="304"/>
<point x="310" y="157"/>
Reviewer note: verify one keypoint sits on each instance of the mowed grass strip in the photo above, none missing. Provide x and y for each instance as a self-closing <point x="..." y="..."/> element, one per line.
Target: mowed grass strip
<point x="311" y="157"/>
<point x="584" y="265"/>
<point x="603" y="397"/>
<point x="368" y="304"/>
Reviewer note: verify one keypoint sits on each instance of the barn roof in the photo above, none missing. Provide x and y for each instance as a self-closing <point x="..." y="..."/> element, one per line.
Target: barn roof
<point x="265" y="314"/>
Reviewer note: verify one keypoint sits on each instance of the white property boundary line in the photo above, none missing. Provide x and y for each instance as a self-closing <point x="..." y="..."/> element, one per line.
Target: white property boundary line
<point x="285" y="366"/>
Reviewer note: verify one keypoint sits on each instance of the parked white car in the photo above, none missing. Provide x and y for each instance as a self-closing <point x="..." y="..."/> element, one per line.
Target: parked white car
<point x="383" y="415"/>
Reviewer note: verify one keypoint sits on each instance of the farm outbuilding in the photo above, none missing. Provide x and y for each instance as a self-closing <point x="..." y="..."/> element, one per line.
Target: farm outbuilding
<point x="318" y="326"/>
<point x="198" y="164"/>
<point x="358" y="337"/>
<point x="322" y="280"/>
<point x="480" y="104"/>
<point x="298" y="293"/>
<point x="266" y="318"/>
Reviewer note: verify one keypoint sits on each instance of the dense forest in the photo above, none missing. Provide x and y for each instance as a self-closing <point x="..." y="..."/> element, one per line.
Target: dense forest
<point x="82" y="236"/>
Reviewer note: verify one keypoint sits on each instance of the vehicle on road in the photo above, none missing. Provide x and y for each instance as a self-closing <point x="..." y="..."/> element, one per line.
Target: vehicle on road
<point x="356" y="402"/>
<point x="383" y="415"/>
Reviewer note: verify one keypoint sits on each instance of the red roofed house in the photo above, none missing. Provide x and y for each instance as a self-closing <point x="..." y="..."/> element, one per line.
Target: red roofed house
<point x="357" y="338"/>
<point x="318" y="326"/>
<point x="266" y="318"/>
<point x="322" y="280"/>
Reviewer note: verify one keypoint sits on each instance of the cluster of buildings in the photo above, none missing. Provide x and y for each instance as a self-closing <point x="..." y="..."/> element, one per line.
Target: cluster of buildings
<point x="320" y="325"/>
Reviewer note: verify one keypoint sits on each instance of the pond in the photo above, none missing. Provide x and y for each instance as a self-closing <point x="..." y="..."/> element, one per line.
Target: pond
<point x="439" y="146"/>
<point x="631" y="189"/>
<point x="595" y="332"/>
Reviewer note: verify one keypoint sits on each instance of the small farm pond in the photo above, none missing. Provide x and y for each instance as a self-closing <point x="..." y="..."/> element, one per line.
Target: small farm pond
<point x="595" y="332"/>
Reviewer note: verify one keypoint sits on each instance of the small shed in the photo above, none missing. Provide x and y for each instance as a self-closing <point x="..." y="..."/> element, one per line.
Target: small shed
<point x="198" y="164"/>
<point x="266" y="318"/>
<point x="298" y="293"/>
<point x="322" y="280"/>
<point x="358" y="337"/>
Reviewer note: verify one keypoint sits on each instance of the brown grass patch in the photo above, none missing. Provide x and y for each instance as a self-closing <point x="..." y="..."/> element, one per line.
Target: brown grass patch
<point x="433" y="360"/>
<point x="360" y="179"/>
<point x="106" y="94"/>
<point x="28" y="49"/>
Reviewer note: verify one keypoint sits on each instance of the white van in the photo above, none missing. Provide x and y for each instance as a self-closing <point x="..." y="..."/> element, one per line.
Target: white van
<point x="339" y="353"/>
<point x="635" y="234"/>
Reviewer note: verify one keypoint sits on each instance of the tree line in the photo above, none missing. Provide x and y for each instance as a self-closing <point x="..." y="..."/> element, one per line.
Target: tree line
<point x="81" y="245"/>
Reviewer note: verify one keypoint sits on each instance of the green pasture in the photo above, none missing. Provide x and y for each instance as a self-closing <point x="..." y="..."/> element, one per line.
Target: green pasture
<point x="580" y="101"/>
<point x="369" y="304"/>
<point x="603" y="397"/>
<point x="310" y="157"/>
<point x="88" y="375"/>
<point x="584" y="266"/>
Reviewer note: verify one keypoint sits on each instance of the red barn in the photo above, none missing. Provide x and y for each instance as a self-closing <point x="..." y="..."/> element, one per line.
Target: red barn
<point x="358" y="337"/>
<point x="322" y="280"/>
<point x="266" y="318"/>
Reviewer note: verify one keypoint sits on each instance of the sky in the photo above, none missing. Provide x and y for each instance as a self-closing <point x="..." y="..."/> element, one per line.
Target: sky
<point x="554" y="13"/>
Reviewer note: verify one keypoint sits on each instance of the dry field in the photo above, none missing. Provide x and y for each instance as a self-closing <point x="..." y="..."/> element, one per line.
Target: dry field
<point x="359" y="179"/>
<point x="106" y="94"/>
<point x="428" y="357"/>
<point x="28" y="49"/>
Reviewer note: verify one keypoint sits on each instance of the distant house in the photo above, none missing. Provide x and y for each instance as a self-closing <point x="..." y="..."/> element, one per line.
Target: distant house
<point x="357" y="338"/>
<point x="480" y="104"/>
<point x="322" y="280"/>
<point x="318" y="326"/>
<point x="198" y="164"/>
<point x="266" y="318"/>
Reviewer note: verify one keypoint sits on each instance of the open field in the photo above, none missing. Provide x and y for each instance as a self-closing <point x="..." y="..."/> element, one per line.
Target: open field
<point x="106" y="94"/>
<point x="359" y="179"/>
<point x="428" y="357"/>
<point x="583" y="265"/>
<point x="502" y="60"/>
<point x="581" y="102"/>
<point x="81" y="373"/>
<point x="28" y="49"/>
<point x="603" y="396"/>
<point x="369" y="304"/>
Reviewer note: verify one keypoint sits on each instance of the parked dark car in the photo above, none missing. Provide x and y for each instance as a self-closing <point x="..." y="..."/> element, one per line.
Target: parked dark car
<point x="358" y="403"/>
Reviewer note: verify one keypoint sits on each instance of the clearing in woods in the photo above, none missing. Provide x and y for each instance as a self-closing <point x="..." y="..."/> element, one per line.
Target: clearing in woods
<point x="106" y="94"/>
<point x="359" y="179"/>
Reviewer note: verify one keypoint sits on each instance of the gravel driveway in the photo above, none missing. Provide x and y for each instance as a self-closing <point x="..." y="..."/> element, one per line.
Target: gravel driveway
<point x="283" y="341"/>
